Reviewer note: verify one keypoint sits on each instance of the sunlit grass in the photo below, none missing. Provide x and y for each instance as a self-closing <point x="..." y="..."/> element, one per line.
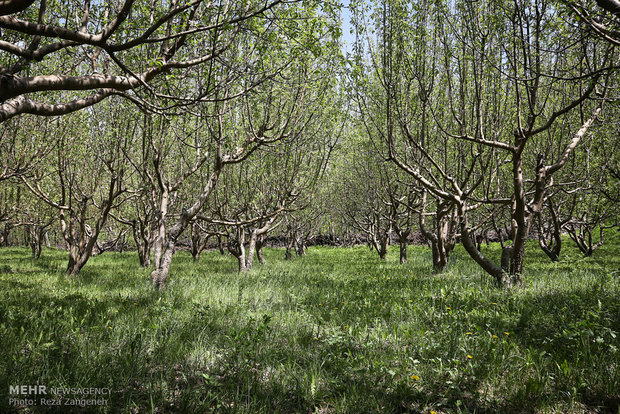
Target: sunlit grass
<point x="337" y="330"/>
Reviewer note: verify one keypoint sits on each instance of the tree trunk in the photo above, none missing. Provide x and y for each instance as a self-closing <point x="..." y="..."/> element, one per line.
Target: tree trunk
<point x="249" y="259"/>
<point x="443" y="239"/>
<point x="159" y="236"/>
<point x="582" y="236"/>
<point x="403" y="249"/>
<point x="241" y="258"/>
<point x="143" y="243"/>
<point x="220" y="245"/>
<point x="40" y="237"/>
<point x="505" y="258"/>
<point x="491" y="268"/>
<point x="195" y="255"/>
<point x="144" y="255"/>
<point x="77" y="259"/>
<point x="289" y="246"/>
<point x="383" y="247"/>
<point x="300" y="247"/>
<point x="162" y="265"/>
<point x="32" y="230"/>
<point x="80" y="237"/>
<point x="438" y="263"/>
<point x="162" y="269"/>
<point x="4" y="238"/>
<point x="236" y="246"/>
<point x="198" y="244"/>
<point x="259" y="250"/>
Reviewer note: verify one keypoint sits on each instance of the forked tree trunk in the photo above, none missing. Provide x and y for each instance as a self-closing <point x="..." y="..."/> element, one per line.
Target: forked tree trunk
<point x="552" y="247"/>
<point x="402" y="242"/>
<point x="581" y="234"/>
<point x="144" y="255"/>
<point x="381" y="245"/>
<point x="198" y="243"/>
<point x="37" y="236"/>
<point x="79" y="253"/>
<point x="159" y="275"/>
<point x="522" y="213"/>
<point x="236" y="246"/>
<point x="255" y="244"/>
<point x="443" y="239"/>
<point x="80" y="238"/>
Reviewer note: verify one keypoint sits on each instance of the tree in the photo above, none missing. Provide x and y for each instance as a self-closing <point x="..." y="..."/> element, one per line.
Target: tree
<point x="276" y="180"/>
<point x="270" y="104"/>
<point x="84" y="200"/>
<point x="519" y="51"/>
<point x="363" y="197"/>
<point x="131" y="49"/>
<point x="603" y="20"/>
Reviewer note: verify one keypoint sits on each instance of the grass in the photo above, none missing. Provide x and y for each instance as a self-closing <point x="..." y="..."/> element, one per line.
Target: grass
<point x="335" y="331"/>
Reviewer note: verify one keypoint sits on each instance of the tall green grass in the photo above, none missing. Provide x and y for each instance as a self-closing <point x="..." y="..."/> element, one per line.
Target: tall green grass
<point x="335" y="331"/>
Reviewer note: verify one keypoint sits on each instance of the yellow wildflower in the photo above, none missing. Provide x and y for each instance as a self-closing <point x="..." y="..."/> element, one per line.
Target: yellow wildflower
<point x="415" y="377"/>
<point x="469" y="357"/>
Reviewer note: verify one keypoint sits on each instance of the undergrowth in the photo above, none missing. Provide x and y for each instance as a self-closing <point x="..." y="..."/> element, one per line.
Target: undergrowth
<point x="335" y="331"/>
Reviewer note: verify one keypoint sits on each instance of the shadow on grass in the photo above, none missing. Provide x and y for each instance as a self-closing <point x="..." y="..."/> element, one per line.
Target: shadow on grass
<point x="162" y="350"/>
<point x="569" y="340"/>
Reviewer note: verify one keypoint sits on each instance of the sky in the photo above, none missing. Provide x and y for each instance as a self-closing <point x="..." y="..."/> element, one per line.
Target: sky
<point x="347" y="37"/>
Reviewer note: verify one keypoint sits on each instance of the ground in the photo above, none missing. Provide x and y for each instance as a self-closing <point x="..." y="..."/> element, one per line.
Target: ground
<point x="335" y="331"/>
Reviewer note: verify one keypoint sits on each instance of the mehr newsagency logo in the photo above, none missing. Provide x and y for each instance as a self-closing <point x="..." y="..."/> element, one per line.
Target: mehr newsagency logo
<point x="42" y="395"/>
